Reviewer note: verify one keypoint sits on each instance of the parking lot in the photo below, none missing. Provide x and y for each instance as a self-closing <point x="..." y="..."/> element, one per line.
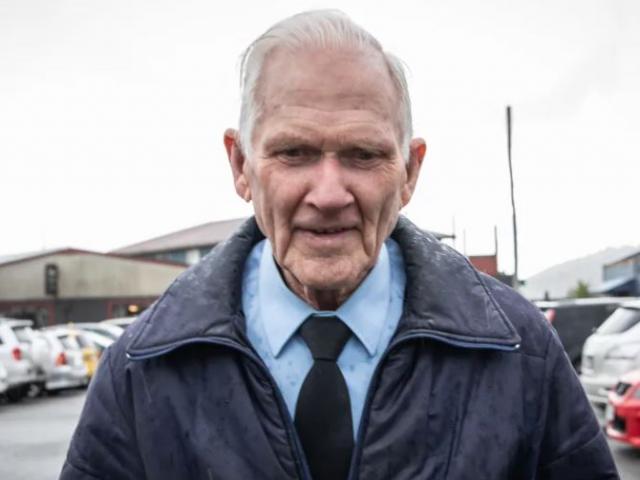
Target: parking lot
<point x="627" y="458"/>
<point x="34" y="436"/>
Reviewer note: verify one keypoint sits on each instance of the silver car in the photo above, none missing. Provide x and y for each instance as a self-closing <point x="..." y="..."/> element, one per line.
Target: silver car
<point x="56" y="367"/>
<point x="81" y="344"/>
<point x="613" y="350"/>
<point x="21" y="373"/>
<point x="121" y="322"/>
<point x="64" y="367"/>
<point x="110" y="331"/>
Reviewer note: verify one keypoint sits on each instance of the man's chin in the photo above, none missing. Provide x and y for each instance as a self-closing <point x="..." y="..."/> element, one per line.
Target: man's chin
<point x="323" y="275"/>
<point x="323" y="284"/>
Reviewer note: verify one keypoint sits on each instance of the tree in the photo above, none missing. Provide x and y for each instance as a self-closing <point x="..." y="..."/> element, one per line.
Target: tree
<point x="581" y="290"/>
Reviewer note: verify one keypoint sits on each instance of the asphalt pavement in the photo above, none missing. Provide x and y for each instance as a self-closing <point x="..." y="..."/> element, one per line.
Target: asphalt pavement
<point x="35" y="434"/>
<point x="627" y="458"/>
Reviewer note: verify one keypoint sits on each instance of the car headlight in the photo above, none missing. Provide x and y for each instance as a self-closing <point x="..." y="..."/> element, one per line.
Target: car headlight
<point x="628" y="351"/>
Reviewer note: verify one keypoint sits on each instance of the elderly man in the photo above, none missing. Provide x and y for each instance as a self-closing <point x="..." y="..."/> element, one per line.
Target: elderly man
<point x="330" y="338"/>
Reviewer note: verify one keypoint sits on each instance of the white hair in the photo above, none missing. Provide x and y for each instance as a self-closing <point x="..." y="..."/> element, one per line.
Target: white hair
<point x="322" y="29"/>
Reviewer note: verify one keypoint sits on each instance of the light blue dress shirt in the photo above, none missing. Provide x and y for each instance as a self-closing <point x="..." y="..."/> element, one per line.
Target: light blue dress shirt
<point x="274" y="314"/>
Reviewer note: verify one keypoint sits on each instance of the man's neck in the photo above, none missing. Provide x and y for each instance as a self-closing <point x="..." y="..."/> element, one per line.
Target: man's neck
<point x="328" y="300"/>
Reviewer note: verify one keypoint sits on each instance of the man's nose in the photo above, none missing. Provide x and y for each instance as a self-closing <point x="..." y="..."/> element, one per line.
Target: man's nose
<point x="329" y="189"/>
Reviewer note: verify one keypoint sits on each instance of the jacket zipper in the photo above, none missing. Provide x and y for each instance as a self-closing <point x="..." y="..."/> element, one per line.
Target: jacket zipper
<point x="303" y="468"/>
<point x="284" y="412"/>
<point x="364" y="418"/>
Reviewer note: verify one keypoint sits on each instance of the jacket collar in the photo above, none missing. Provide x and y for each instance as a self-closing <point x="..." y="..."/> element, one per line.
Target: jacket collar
<point x="445" y="298"/>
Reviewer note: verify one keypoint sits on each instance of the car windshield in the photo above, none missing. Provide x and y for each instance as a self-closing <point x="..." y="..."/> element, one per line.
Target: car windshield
<point x="102" y="331"/>
<point x="69" y="342"/>
<point x="23" y="334"/>
<point x="620" y="321"/>
<point x="83" y="341"/>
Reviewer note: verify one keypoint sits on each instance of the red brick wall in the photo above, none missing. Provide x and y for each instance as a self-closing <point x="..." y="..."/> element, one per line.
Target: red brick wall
<point x="485" y="263"/>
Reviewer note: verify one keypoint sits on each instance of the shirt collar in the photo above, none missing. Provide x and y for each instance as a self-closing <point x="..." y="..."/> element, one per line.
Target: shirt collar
<point x="283" y="312"/>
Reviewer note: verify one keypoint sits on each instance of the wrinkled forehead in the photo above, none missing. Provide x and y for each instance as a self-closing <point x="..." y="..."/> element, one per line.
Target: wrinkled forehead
<point x="328" y="79"/>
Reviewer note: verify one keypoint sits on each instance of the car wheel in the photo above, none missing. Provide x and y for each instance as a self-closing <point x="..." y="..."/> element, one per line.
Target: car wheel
<point x="15" y="396"/>
<point x="577" y="365"/>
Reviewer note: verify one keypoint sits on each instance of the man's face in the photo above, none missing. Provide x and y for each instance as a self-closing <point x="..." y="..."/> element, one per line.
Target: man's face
<point x="326" y="174"/>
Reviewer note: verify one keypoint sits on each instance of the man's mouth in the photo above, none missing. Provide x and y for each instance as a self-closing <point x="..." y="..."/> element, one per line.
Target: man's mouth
<point x="323" y="237"/>
<point x="328" y="231"/>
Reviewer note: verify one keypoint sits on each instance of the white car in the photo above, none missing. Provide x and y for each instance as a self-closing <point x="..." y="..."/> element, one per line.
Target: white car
<point x="99" y="341"/>
<point x="612" y="351"/>
<point x="105" y="329"/>
<point x="122" y="322"/>
<point x="56" y="369"/>
<point x="64" y="367"/>
<point x="34" y="348"/>
<point x="3" y="379"/>
<point x="82" y="340"/>
<point x="21" y="373"/>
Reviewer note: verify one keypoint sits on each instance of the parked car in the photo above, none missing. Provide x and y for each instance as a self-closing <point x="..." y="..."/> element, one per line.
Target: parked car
<point x="576" y="319"/>
<point x="65" y="367"/>
<point x="623" y="410"/>
<point x="612" y="351"/>
<point x="34" y="348"/>
<point x="108" y="330"/>
<point x="122" y="322"/>
<point x="100" y="342"/>
<point x="20" y="371"/>
<point x="81" y="343"/>
<point x="3" y="380"/>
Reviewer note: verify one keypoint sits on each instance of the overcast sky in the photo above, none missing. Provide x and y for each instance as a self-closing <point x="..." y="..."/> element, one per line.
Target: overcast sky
<point x="112" y="114"/>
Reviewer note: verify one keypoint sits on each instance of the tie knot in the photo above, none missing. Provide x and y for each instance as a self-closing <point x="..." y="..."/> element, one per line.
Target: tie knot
<point x="325" y="336"/>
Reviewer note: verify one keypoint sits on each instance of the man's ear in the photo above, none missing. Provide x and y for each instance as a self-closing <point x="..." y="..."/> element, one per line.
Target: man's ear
<point x="237" y="161"/>
<point x="417" y="151"/>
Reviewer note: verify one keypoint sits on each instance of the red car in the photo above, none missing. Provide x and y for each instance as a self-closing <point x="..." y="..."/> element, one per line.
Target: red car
<point x="623" y="410"/>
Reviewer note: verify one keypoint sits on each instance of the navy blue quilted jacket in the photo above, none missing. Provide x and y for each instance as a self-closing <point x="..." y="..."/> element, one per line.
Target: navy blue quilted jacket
<point x="474" y="385"/>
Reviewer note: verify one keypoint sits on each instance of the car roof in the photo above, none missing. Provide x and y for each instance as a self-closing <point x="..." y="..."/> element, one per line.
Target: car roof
<point x="632" y="304"/>
<point x="62" y="330"/>
<point x="73" y="330"/>
<point x="585" y="301"/>
<point x="631" y="377"/>
<point x="118" y="320"/>
<point x="99" y="325"/>
<point x="18" y="322"/>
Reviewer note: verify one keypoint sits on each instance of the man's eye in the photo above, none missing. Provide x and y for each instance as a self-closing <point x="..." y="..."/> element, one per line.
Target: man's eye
<point x="362" y="155"/>
<point x="292" y="152"/>
<point x="295" y="153"/>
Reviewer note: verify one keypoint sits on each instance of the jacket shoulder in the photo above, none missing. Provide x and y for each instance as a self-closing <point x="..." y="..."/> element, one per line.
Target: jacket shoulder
<point x="532" y="326"/>
<point x="119" y="360"/>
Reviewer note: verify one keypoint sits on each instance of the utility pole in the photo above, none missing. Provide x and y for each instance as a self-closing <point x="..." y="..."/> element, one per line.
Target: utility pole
<point x="453" y="230"/>
<point x="464" y="241"/>
<point x="515" y="283"/>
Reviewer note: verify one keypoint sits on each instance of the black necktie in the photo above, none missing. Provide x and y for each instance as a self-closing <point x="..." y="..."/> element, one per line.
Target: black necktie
<point x="323" y="411"/>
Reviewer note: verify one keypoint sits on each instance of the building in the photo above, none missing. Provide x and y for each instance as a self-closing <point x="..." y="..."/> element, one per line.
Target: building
<point x="557" y="281"/>
<point x="621" y="278"/>
<point x="489" y="264"/>
<point x="485" y="263"/>
<point x="186" y="246"/>
<point x="72" y="285"/>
